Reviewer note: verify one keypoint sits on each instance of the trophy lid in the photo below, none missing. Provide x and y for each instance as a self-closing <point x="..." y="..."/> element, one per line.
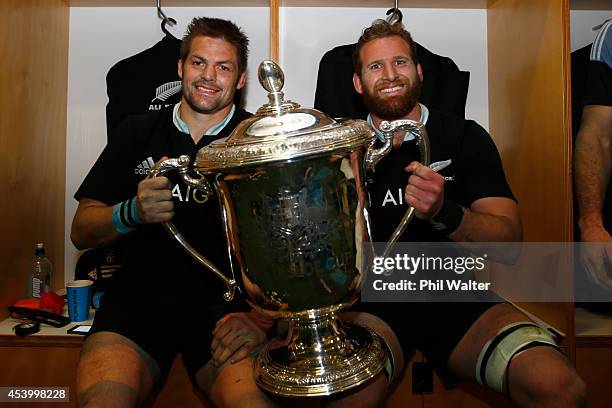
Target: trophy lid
<point x="281" y="130"/>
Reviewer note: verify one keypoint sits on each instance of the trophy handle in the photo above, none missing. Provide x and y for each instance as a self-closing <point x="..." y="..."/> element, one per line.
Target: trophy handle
<point x="182" y="165"/>
<point x="373" y="156"/>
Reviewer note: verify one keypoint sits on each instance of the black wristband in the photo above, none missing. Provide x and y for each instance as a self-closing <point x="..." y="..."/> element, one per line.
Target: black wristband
<point x="447" y="220"/>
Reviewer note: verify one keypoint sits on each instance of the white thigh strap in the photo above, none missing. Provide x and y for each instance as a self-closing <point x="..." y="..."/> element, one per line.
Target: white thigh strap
<point x="495" y="357"/>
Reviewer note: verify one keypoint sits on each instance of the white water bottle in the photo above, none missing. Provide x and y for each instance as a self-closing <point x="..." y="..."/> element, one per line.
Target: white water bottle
<point x="40" y="274"/>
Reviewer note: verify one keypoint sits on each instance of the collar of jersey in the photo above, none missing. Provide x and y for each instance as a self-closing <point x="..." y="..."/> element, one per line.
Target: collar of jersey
<point x="182" y="126"/>
<point x="408" y="136"/>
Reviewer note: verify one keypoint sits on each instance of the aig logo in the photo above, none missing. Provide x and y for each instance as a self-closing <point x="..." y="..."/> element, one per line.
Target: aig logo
<point x="394" y="198"/>
<point x="189" y="194"/>
<point x="397" y="197"/>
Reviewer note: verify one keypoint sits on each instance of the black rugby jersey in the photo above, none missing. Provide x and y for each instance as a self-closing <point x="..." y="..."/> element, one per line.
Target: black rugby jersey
<point x="152" y="259"/>
<point x="475" y="172"/>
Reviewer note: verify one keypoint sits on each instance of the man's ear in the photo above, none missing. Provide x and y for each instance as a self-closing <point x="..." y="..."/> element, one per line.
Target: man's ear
<point x="241" y="80"/>
<point x="180" y="68"/>
<point x="420" y="72"/>
<point x="357" y="83"/>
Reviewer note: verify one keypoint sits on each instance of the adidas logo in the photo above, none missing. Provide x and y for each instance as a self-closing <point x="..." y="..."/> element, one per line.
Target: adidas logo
<point x="145" y="167"/>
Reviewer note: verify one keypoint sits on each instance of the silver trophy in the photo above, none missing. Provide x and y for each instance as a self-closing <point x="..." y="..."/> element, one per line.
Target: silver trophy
<point x="291" y="187"/>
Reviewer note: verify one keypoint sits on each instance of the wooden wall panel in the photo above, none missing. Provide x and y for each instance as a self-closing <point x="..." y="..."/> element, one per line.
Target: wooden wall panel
<point x="529" y="112"/>
<point x="274" y="24"/>
<point x="463" y="4"/>
<point x="594" y="365"/>
<point x="168" y="3"/>
<point x="529" y="109"/>
<point x="34" y="67"/>
<point x="39" y="367"/>
<point x="56" y="366"/>
<point x="591" y="5"/>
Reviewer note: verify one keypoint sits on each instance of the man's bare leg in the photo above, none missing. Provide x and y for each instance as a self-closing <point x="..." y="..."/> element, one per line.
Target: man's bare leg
<point x="537" y="377"/>
<point x="232" y="385"/>
<point x="114" y="371"/>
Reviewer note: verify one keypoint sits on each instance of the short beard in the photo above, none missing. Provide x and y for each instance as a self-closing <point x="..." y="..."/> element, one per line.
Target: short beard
<point x="199" y="109"/>
<point x="396" y="107"/>
<point x="187" y="96"/>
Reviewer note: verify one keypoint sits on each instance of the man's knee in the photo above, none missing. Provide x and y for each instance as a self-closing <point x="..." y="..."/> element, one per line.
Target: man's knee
<point x="546" y="378"/>
<point x="395" y="363"/>
<point x="570" y="387"/>
<point x="561" y="389"/>
<point x="113" y="370"/>
<point x="107" y="393"/>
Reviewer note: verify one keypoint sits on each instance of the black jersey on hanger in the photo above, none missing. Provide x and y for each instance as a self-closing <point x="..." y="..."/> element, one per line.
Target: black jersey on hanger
<point x="147" y="81"/>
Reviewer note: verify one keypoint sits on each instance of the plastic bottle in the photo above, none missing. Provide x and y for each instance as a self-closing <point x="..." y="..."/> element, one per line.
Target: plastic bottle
<point x="40" y="275"/>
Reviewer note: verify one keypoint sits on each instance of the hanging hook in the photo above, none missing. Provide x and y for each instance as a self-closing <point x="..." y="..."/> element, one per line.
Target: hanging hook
<point x="163" y="16"/>
<point x="168" y="20"/>
<point x="165" y="19"/>
<point x="394" y="15"/>
<point x="598" y="26"/>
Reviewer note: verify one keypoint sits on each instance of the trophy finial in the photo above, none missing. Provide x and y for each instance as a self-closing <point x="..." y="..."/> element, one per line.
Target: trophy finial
<point x="271" y="76"/>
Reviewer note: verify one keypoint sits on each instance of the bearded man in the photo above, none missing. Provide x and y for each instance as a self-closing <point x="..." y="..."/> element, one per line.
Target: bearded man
<point x="463" y="196"/>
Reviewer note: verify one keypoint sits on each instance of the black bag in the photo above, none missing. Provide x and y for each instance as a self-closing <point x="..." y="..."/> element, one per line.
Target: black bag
<point x="98" y="265"/>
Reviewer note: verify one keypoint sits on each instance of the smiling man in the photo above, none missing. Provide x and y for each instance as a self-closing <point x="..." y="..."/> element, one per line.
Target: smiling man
<point x="462" y="196"/>
<point x="162" y="302"/>
<point x="210" y="75"/>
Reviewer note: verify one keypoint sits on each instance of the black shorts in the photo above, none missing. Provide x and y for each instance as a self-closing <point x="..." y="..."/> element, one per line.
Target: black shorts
<point x="165" y="330"/>
<point x="434" y="328"/>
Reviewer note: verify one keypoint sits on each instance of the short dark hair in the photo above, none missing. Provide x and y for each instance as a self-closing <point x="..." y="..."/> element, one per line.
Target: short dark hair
<point x="217" y="28"/>
<point x="382" y="29"/>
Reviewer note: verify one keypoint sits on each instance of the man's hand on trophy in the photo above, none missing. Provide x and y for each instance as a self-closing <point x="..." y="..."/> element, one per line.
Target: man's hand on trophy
<point x="425" y="190"/>
<point x="235" y="337"/>
<point x="154" y="202"/>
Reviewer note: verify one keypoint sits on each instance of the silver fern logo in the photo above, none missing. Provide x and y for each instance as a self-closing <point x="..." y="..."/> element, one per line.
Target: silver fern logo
<point x="163" y="93"/>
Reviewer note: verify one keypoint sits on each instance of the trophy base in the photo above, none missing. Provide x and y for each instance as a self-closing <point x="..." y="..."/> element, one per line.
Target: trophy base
<point x="321" y="356"/>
